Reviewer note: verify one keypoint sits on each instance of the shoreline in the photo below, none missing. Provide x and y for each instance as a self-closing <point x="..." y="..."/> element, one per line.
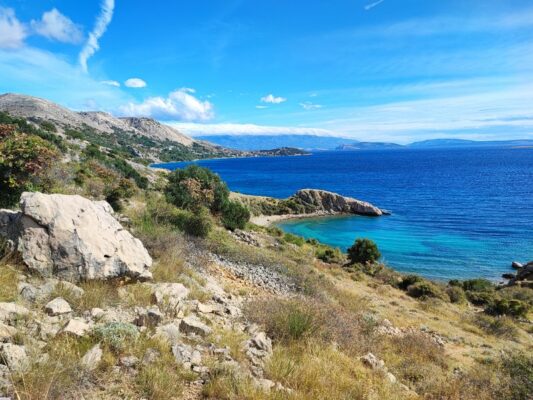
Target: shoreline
<point x="269" y="220"/>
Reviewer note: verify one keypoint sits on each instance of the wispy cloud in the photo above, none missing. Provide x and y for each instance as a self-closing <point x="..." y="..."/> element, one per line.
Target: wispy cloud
<point x="12" y="31"/>
<point x="307" y="105"/>
<point x="179" y="105"/>
<point x="246" y="129"/>
<point x="271" y="99"/>
<point x="135" y="83"/>
<point x="56" y="26"/>
<point x="111" y="83"/>
<point x="370" y="6"/>
<point x="259" y="107"/>
<point x="102" y="22"/>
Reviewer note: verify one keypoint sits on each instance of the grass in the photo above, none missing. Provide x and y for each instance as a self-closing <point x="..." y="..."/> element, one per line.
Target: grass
<point x="97" y="294"/>
<point x="8" y="283"/>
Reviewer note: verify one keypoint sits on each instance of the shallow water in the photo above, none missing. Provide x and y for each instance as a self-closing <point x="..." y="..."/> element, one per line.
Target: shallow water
<point x="457" y="213"/>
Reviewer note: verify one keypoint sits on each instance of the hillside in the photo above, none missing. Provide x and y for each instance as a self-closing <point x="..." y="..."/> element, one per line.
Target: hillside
<point x="118" y="282"/>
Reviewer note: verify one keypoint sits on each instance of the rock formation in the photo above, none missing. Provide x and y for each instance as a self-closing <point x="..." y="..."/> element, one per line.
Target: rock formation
<point x="328" y="202"/>
<point x="524" y="275"/>
<point x="73" y="238"/>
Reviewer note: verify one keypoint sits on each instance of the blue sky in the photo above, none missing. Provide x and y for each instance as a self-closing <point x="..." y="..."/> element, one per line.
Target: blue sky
<point x="396" y="70"/>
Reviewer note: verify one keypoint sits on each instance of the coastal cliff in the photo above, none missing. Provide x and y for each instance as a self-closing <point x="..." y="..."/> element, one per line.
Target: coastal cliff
<point x="329" y="202"/>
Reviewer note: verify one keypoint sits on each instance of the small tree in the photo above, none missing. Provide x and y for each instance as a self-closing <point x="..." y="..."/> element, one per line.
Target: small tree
<point x="363" y="251"/>
<point x="24" y="161"/>
<point x="198" y="223"/>
<point x="195" y="187"/>
<point x="235" y="215"/>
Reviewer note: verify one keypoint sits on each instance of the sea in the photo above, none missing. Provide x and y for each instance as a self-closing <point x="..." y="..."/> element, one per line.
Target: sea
<point x="455" y="213"/>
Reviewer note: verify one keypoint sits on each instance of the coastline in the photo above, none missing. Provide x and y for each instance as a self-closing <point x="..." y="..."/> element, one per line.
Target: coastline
<point x="269" y="220"/>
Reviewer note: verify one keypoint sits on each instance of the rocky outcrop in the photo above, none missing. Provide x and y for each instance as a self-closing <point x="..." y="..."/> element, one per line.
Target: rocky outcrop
<point x="524" y="275"/>
<point x="73" y="238"/>
<point x="329" y="202"/>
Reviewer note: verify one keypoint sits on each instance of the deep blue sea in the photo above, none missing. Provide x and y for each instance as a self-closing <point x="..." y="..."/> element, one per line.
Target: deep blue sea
<point x="456" y="213"/>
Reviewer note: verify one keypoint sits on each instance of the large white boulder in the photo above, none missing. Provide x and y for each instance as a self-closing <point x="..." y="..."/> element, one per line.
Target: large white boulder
<point x="73" y="238"/>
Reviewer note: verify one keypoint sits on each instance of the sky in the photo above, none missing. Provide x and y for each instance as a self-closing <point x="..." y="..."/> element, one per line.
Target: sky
<point x="372" y="70"/>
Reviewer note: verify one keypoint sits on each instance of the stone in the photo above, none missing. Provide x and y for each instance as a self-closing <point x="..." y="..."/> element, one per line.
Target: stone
<point x="58" y="306"/>
<point x="92" y="358"/>
<point x="328" y="202"/>
<point x="11" y="312"/>
<point x="169" y="294"/>
<point x="150" y="356"/>
<point x="129" y="361"/>
<point x="516" y="265"/>
<point x="73" y="238"/>
<point x="97" y="313"/>
<point x="27" y="291"/>
<point x="186" y="355"/>
<point x="148" y="317"/>
<point x="75" y="327"/>
<point x="371" y="361"/>
<point x="193" y="325"/>
<point x="391" y="378"/>
<point x="169" y="332"/>
<point x="14" y="357"/>
<point x="205" y="308"/>
<point x="264" y="384"/>
<point x="7" y="332"/>
<point x="262" y="342"/>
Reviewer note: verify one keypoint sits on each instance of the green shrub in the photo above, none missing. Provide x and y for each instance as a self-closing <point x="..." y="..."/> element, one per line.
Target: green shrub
<point x="424" y="290"/>
<point x="114" y="195"/>
<point x="478" y="285"/>
<point x="519" y="368"/>
<point x="480" y="298"/>
<point x="119" y="336"/>
<point x="515" y="308"/>
<point x="234" y="215"/>
<point x="198" y="223"/>
<point x="196" y="186"/>
<point x="502" y="327"/>
<point x="48" y="126"/>
<point x="329" y="255"/>
<point x="409" y="280"/>
<point x="456" y="294"/>
<point x="24" y="162"/>
<point x="363" y="251"/>
<point x="293" y="239"/>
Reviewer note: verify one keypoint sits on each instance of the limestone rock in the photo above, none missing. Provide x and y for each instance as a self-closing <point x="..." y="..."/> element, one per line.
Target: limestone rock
<point x="6" y="332"/>
<point x="328" y="202"/>
<point x="371" y="361"/>
<point x="14" y="357"/>
<point x="129" y="361"/>
<point x="58" y="306"/>
<point x="75" y="327"/>
<point x="524" y="275"/>
<point x="186" y="355"/>
<point x="73" y="238"/>
<point x="92" y="358"/>
<point x="11" y="312"/>
<point x="194" y="325"/>
<point x="169" y="294"/>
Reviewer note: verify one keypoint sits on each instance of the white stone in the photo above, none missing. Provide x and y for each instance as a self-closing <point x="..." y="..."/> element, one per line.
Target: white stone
<point x="14" y="357"/>
<point x="194" y="325"/>
<point x="11" y="312"/>
<point x="58" y="306"/>
<point x="75" y="327"/>
<point x="74" y="238"/>
<point x="6" y="332"/>
<point x="92" y="358"/>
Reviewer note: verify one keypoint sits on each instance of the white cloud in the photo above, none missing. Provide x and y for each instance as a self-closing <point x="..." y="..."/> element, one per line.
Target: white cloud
<point x="370" y="6"/>
<point x="102" y="22"/>
<point x="55" y="26"/>
<point x="111" y="83"/>
<point x="180" y="105"/>
<point x="135" y="83"/>
<point x="307" y="105"/>
<point x="273" y="99"/>
<point x="261" y="107"/>
<point x="44" y="74"/>
<point x="246" y="129"/>
<point x="12" y="31"/>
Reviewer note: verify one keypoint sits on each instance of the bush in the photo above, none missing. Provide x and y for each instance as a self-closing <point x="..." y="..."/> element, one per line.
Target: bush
<point x="198" y="223"/>
<point x="478" y="285"/>
<point x="363" y="251"/>
<point x="293" y="239"/>
<point x="409" y="280"/>
<point x="114" y="195"/>
<point x="329" y="255"/>
<point x="424" y="290"/>
<point x="480" y="298"/>
<point x="24" y="162"/>
<point x="117" y="335"/>
<point x="234" y="215"/>
<point x="502" y="327"/>
<point x="519" y="368"/>
<point x="195" y="187"/>
<point x="456" y="294"/>
<point x="515" y="308"/>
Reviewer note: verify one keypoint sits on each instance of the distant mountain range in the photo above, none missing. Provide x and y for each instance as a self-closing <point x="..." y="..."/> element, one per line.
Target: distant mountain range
<point x="317" y="143"/>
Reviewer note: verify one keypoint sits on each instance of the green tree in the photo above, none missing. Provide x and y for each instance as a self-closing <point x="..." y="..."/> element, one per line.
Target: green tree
<point x="195" y="187"/>
<point x="363" y="251"/>
<point x="24" y="161"/>
<point x="234" y="215"/>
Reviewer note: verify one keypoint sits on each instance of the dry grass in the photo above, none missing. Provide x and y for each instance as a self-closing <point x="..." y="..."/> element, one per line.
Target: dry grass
<point x="8" y="283"/>
<point x="97" y="294"/>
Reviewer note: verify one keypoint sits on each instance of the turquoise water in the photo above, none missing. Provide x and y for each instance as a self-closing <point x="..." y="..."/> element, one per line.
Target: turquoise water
<point x="457" y="213"/>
